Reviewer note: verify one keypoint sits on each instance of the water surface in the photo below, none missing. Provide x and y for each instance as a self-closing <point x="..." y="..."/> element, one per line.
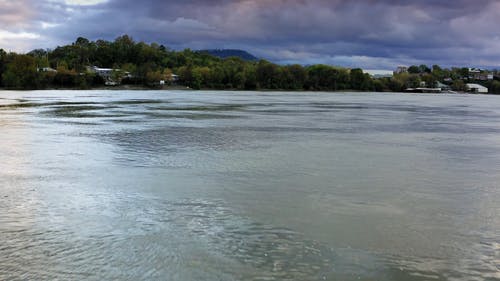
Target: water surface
<point x="166" y="185"/>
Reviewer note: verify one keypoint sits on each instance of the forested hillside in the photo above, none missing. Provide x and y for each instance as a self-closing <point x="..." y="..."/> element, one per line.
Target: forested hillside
<point x="140" y="63"/>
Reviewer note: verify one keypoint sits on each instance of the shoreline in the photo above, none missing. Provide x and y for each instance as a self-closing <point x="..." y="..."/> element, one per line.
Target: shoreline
<point x="111" y="88"/>
<point x="185" y="88"/>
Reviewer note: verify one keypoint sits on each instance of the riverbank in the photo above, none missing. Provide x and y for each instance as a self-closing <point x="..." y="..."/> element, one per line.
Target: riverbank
<point x="184" y="88"/>
<point x="108" y="88"/>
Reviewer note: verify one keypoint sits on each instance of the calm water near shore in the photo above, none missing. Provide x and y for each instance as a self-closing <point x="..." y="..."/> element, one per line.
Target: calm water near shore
<point x="181" y="185"/>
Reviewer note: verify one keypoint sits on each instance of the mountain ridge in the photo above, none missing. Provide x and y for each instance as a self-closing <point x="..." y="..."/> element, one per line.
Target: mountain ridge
<point x="226" y="53"/>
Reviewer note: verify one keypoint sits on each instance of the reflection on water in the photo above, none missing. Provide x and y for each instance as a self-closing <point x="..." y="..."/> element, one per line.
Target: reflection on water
<point x="160" y="185"/>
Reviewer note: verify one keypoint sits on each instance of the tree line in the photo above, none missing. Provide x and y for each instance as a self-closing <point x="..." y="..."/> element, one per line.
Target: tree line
<point x="68" y="67"/>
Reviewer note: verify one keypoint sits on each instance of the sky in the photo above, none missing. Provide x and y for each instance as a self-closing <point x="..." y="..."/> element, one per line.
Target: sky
<point x="372" y="34"/>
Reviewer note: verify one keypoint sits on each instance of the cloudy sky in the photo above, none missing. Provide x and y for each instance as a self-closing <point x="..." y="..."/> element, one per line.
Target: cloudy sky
<point x="363" y="33"/>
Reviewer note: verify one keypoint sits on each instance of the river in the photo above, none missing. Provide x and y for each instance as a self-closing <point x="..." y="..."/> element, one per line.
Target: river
<point x="195" y="185"/>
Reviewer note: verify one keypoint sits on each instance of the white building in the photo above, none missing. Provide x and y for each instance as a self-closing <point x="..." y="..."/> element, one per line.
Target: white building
<point x="104" y="72"/>
<point x="443" y="87"/>
<point x="378" y="73"/>
<point x="476" y="88"/>
<point x="108" y="73"/>
<point x="46" y="69"/>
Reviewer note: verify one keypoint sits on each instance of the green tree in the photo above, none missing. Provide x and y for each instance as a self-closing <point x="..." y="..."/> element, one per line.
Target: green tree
<point x="397" y="84"/>
<point x="117" y="75"/>
<point x="201" y="77"/>
<point x="379" y="85"/>
<point x="297" y="77"/>
<point x="438" y="72"/>
<point x="458" y="85"/>
<point x="424" y="69"/>
<point x="464" y="72"/>
<point x="65" y="78"/>
<point x="82" y="48"/>
<point x="414" y="69"/>
<point x="413" y="81"/>
<point x="185" y="75"/>
<point x="250" y="72"/>
<point x="20" y="73"/>
<point x="124" y="50"/>
<point x="103" y="55"/>
<point x="495" y="87"/>
<point x="321" y="77"/>
<point x="3" y="62"/>
<point x="153" y="78"/>
<point x="430" y="80"/>
<point x="267" y="75"/>
<point x="360" y="80"/>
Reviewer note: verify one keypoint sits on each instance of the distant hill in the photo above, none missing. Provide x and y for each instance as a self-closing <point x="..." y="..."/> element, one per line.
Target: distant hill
<point x="226" y="53"/>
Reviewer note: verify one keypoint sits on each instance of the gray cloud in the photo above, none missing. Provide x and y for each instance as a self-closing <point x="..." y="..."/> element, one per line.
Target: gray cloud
<point x="14" y="14"/>
<point x="380" y="33"/>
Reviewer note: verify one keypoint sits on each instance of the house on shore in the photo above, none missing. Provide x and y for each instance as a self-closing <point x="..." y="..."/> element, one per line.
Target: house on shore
<point x="480" y="74"/>
<point x="476" y="88"/>
<point x="46" y="69"/>
<point x="111" y="76"/>
<point x="103" y="72"/>
<point x="443" y="86"/>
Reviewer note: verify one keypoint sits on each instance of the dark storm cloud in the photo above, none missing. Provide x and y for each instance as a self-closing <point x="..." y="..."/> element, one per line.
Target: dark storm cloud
<point x="376" y="33"/>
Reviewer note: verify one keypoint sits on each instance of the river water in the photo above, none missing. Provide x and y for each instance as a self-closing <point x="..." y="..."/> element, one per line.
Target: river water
<point x="181" y="185"/>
